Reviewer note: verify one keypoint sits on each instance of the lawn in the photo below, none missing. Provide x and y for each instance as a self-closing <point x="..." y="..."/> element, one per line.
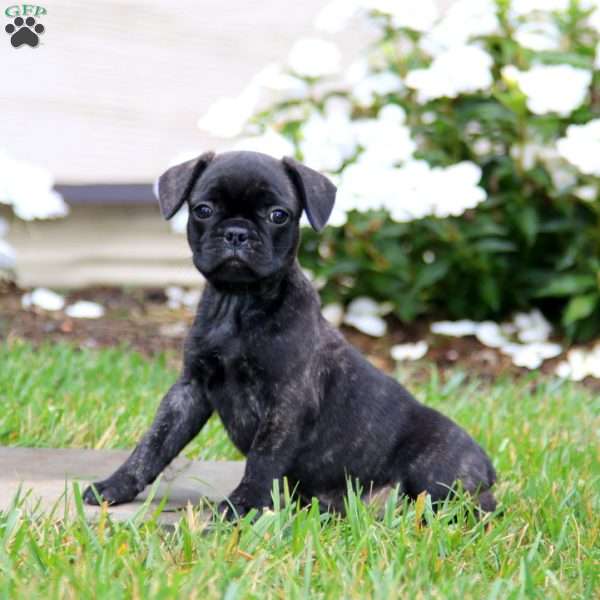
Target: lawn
<point x="540" y="432"/>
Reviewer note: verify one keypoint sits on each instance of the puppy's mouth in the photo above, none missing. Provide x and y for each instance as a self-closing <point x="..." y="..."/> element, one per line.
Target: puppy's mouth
<point x="234" y="262"/>
<point x="234" y="266"/>
<point x="234" y="259"/>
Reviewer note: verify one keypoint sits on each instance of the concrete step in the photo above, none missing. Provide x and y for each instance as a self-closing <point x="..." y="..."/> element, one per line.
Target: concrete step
<point x="46" y="476"/>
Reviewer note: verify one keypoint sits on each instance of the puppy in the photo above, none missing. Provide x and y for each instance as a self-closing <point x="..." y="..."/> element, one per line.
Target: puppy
<point x="293" y="395"/>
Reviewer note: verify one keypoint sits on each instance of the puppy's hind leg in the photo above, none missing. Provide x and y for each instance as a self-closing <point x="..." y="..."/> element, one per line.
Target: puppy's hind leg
<point x="483" y="494"/>
<point x="180" y="416"/>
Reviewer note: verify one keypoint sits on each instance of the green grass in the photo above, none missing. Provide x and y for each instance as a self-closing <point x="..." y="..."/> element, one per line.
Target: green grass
<point x="541" y="434"/>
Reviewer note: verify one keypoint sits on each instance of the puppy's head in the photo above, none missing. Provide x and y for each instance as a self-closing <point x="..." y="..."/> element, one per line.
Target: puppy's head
<point x="244" y="210"/>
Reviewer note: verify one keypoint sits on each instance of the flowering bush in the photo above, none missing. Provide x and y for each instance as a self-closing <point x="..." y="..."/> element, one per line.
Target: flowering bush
<point x="466" y="150"/>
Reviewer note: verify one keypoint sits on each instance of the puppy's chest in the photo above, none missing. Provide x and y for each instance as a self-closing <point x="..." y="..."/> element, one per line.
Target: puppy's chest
<point x="235" y="384"/>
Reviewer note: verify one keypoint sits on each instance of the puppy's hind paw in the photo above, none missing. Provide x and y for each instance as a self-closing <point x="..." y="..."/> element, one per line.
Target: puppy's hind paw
<point x="232" y="509"/>
<point x="232" y="512"/>
<point x="487" y="501"/>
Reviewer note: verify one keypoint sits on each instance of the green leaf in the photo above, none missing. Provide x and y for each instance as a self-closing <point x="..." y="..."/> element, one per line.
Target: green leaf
<point x="580" y="307"/>
<point x="567" y="285"/>
<point x="529" y="223"/>
<point x="558" y="225"/>
<point x="494" y="245"/>
<point x="486" y="228"/>
<point x="430" y="274"/>
<point x="490" y="292"/>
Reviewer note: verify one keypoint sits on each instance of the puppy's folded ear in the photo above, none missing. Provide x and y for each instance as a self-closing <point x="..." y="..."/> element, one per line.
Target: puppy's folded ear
<point x="315" y="191"/>
<point x="176" y="183"/>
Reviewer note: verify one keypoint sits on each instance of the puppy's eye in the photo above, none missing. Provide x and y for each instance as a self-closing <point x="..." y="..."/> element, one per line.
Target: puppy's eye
<point x="278" y="216"/>
<point x="203" y="211"/>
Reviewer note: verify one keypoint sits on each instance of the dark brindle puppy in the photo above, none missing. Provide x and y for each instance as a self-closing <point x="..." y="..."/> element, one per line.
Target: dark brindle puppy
<point x="294" y="396"/>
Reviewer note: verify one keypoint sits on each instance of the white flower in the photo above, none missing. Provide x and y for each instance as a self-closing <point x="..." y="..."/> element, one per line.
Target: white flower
<point x="365" y="186"/>
<point x="538" y="35"/>
<point x="312" y="57"/>
<point x="419" y="16"/>
<point x="273" y="78"/>
<point x="441" y="192"/>
<point x="562" y="178"/>
<point x="369" y="324"/>
<point x="43" y="205"/>
<point x="483" y="146"/>
<point x="532" y="330"/>
<point x="226" y="117"/>
<point x="28" y="188"/>
<point x="338" y="217"/>
<point x="428" y="117"/>
<point x="460" y="70"/>
<point x="334" y="313"/>
<point x="544" y="96"/>
<point x="462" y="21"/>
<point x="85" y="310"/>
<point x="455" y="328"/>
<point x="532" y="326"/>
<point x="415" y="351"/>
<point x="531" y="153"/>
<point x="457" y="189"/>
<point x="386" y="139"/>
<point x="473" y="128"/>
<point x="364" y="306"/>
<point x="490" y="334"/>
<point x="328" y="139"/>
<point x="581" y="147"/>
<point x="364" y="314"/>
<point x="43" y="298"/>
<point x="376" y="84"/>
<point x="587" y="193"/>
<point x="563" y="370"/>
<point x="532" y="355"/>
<point x="412" y="191"/>
<point x="510" y="74"/>
<point x="357" y="71"/>
<point x="580" y="364"/>
<point x="178" y="297"/>
<point x="178" y="222"/>
<point x="597" y="61"/>
<point x="428" y="257"/>
<point x="270" y="142"/>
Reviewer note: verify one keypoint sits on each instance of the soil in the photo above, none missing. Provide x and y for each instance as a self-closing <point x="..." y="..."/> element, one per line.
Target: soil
<point x="140" y="319"/>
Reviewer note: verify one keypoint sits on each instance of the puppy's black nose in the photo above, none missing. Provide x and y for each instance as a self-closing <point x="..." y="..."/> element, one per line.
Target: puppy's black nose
<point x="236" y="236"/>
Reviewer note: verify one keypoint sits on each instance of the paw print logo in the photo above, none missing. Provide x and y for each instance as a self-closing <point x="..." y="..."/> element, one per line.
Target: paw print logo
<point x="24" y="31"/>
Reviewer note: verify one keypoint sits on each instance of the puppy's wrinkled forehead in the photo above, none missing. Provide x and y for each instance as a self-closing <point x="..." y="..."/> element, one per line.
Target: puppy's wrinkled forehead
<point x="241" y="178"/>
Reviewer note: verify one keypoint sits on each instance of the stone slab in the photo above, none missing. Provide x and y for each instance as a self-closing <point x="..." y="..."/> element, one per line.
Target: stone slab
<point x="45" y="478"/>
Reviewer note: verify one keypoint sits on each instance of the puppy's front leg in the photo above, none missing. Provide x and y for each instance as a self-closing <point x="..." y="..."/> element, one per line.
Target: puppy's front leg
<point x="180" y="416"/>
<point x="273" y="450"/>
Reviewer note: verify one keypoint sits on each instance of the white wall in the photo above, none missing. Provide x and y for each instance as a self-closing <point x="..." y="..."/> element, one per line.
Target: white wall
<point x="114" y="90"/>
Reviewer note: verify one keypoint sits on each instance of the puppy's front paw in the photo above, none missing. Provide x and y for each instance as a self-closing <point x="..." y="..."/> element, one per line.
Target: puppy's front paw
<point x="114" y="490"/>
<point x="241" y="502"/>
